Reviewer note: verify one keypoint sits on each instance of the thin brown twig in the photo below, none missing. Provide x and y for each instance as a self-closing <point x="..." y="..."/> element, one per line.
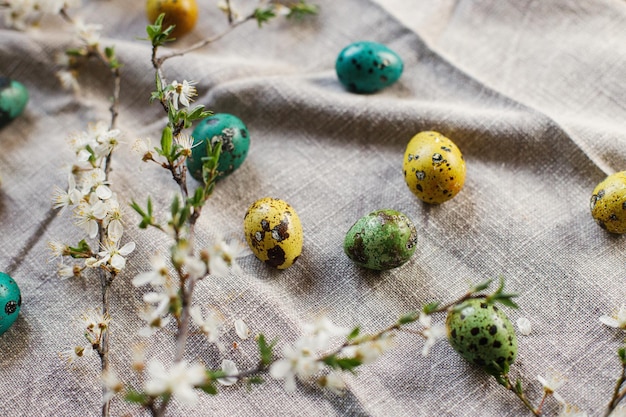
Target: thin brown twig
<point x="618" y="395"/>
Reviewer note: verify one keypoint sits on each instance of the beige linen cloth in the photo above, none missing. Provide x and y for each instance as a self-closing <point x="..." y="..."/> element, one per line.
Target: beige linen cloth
<point x="534" y="94"/>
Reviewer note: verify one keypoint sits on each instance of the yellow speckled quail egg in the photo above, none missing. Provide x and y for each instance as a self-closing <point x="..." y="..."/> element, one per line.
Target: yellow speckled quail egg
<point x="608" y="203"/>
<point x="434" y="169"/>
<point x="273" y="232"/>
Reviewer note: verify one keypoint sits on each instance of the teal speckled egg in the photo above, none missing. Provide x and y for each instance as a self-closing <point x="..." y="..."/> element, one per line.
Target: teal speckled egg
<point x="482" y="334"/>
<point x="366" y="67"/>
<point x="235" y="143"/>
<point x="13" y="99"/>
<point x="10" y="302"/>
<point x="381" y="240"/>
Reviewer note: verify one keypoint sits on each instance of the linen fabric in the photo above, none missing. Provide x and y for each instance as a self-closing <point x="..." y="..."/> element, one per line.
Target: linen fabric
<point x="533" y="94"/>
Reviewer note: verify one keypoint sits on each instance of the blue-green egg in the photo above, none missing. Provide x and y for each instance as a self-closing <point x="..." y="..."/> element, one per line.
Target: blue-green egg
<point x="10" y="301"/>
<point x="13" y="99"/>
<point x="367" y="67"/>
<point x="233" y="134"/>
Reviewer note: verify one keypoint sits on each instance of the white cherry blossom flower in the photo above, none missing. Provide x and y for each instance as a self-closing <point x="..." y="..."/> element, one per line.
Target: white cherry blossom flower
<point x="553" y="382"/>
<point x="76" y="353"/>
<point x="241" y="328"/>
<point x="154" y="321"/>
<point x="183" y="93"/>
<point x="112" y="385"/>
<point x="430" y="332"/>
<point x="114" y="255"/>
<point x="67" y="271"/>
<point x="333" y="382"/>
<point x="95" y="323"/>
<point x="89" y="33"/>
<point x="569" y="410"/>
<point x="63" y="199"/>
<point x="209" y="325"/>
<point x="179" y="381"/>
<point x="68" y="80"/>
<point x="298" y="361"/>
<point x="367" y="351"/>
<point x="162" y="299"/>
<point x="194" y="267"/>
<point x="223" y="256"/>
<point x="156" y="276"/>
<point x="230" y="369"/>
<point x="89" y="213"/>
<point x="524" y="326"/>
<point x="323" y="329"/>
<point x="618" y="320"/>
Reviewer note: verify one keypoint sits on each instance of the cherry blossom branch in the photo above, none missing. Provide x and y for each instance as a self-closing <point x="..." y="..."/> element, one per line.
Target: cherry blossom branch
<point x="618" y="395"/>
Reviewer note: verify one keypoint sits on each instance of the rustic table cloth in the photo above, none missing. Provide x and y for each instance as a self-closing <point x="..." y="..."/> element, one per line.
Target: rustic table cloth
<point x="532" y="92"/>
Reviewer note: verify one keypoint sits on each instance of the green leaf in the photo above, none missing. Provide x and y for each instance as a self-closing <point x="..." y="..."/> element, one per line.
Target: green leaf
<point x="263" y="15"/>
<point x="345" y="364"/>
<point x="482" y="286"/>
<point x="518" y="386"/>
<point x="431" y="307"/>
<point x="622" y="355"/>
<point x="302" y="9"/>
<point x="136" y="397"/>
<point x="408" y="318"/>
<point x="109" y="51"/>
<point x="256" y="380"/>
<point x="265" y="349"/>
<point x="354" y="333"/>
<point x="167" y="140"/>
<point x="209" y="388"/>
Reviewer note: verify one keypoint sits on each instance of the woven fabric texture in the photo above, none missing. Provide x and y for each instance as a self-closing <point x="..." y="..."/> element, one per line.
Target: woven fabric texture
<point x="532" y="92"/>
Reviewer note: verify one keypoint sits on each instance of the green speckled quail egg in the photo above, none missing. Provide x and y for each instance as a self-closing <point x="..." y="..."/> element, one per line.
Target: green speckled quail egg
<point x="482" y="334"/>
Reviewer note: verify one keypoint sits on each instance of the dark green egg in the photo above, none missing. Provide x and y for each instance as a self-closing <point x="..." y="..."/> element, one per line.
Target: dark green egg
<point x="13" y="99"/>
<point x="381" y="240"/>
<point x="482" y="334"/>
<point x="366" y="67"/>
<point x="233" y="134"/>
<point x="10" y="301"/>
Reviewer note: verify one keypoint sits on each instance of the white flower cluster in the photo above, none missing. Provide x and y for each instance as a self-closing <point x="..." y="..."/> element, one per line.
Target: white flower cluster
<point x="94" y="324"/>
<point x="94" y="205"/>
<point x="618" y="320"/>
<point x="302" y="361"/>
<point x="217" y="261"/>
<point x="20" y="14"/>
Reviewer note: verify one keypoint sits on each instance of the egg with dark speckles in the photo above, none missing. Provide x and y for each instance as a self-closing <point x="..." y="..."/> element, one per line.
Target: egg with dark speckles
<point x="273" y="232"/>
<point x="366" y="67"/>
<point x="483" y="335"/>
<point x="434" y="168"/>
<point x="10" y="301"/>
<point x="381" y="240"/>
<point x="235" y="138"/>
<point x="608" y="203"/>
<point x="13" y="99"/>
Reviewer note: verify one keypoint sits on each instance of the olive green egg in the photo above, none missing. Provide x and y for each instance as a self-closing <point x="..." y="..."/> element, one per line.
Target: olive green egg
<point x="381" y="240"/>
<point x="273" y="232"/>
<point x="608" y="203"/>
<point x="483" y="335"/>
<point x="433" y="167"/>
